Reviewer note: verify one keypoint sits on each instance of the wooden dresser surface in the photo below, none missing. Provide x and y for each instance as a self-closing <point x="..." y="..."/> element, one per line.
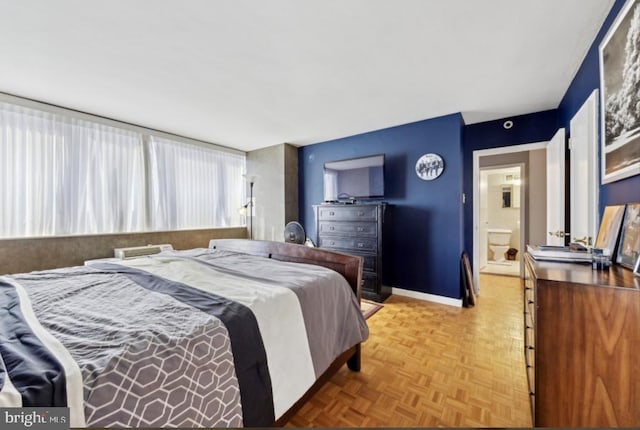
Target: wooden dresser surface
<point x="617" y="276"/>
<point x="587" y="345"/>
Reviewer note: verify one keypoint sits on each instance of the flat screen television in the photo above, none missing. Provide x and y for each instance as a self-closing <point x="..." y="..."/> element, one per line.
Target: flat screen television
<point x="354" y="179"/>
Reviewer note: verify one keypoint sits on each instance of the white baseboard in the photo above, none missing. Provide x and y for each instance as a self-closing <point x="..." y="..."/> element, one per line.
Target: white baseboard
<point x="427" y="297"/>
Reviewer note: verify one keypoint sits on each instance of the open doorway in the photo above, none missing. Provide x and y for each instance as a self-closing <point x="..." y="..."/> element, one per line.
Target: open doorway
<point x="531" y="159"/>
<point x="501" y="219"/>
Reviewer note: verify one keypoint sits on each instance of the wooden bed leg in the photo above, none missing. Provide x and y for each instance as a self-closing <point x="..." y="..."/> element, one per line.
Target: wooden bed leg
<point x="354" y="362"/>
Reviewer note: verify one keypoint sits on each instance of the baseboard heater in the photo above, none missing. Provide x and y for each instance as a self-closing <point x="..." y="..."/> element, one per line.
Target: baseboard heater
<point x="140" y="251"/>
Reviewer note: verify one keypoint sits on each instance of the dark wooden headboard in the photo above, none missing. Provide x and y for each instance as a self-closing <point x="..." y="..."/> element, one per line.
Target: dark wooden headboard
<point x="348" y="266"/>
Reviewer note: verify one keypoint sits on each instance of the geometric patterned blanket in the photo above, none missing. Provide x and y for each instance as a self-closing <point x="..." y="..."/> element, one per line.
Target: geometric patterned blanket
<point x="181" y="339"/>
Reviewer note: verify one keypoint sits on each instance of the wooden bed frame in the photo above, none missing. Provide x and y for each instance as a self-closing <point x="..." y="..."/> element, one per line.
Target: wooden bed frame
<point x="348" y="266"/>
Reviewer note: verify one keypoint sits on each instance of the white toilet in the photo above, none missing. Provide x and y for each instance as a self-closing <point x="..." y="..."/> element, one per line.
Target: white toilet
<point x="499" y="242"/>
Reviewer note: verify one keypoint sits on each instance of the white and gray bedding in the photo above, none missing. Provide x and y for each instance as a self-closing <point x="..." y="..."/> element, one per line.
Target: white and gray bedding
<point x="195" y="338"/>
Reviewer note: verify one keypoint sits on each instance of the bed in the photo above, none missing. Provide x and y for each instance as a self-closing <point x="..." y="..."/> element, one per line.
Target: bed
<point x="237" y="334"/>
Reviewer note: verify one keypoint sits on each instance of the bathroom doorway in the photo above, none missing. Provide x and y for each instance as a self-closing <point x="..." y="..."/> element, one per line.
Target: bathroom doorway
<point x="501" y="219"/>
<point x="533" y="198"/>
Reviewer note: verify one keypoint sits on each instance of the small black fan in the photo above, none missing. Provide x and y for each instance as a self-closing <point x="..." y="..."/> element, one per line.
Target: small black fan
<point x="294" y="233"/>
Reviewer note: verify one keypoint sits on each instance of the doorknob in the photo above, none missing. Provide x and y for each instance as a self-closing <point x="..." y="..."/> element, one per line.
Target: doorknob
<point x="558" y="233"/>
<point x="587" y="241"/>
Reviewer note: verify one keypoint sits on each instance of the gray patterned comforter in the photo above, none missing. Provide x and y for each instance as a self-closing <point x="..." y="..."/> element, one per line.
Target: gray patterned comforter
<point x="196" y="338"/>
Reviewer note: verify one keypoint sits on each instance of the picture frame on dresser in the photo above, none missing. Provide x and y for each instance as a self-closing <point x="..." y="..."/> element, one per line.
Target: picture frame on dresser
<point x="610" y="228"/>
<point x="629" y="248"/>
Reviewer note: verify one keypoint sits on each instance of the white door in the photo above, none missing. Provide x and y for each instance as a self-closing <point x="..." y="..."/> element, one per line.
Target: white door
<point x="584" y="173"/>
<point x="555" y="189"/>
<point x="484" y="218"/>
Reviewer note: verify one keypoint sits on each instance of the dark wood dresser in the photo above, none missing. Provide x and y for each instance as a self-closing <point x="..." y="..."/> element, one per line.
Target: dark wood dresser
<point x="356" y="229"/>
<point x="582" y="345"/>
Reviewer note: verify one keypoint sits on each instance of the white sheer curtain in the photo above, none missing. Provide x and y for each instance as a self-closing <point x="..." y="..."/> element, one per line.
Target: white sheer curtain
<point x="193" y="186"/>
<point x="62" y="175"/>
<point x="65" y="176"/>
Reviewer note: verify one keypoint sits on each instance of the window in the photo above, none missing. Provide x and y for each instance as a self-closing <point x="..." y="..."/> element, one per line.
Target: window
<point x="192" y="185"/>
<point x="62" y="175"/>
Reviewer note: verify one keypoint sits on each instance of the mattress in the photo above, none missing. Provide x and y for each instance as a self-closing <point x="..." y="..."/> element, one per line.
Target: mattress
<point x="196" y="338"/>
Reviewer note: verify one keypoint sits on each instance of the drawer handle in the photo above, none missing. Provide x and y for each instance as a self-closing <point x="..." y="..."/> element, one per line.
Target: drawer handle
<point x="361" y="245"/>
<point x="530" y="302"/>
<point x="360" y="229"/>
<point x="332" y="228"/>
<point x="531" y="348"/>
<point x="360" y="213"/>
<point x="332" y="213"/>
<point x="333" y="243"/>
<point x="531" y="393"/>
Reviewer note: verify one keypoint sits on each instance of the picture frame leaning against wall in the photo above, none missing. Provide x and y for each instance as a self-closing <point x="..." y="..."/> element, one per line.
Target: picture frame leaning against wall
<point x="609" y="230"/>
<point x="629" y="248"/>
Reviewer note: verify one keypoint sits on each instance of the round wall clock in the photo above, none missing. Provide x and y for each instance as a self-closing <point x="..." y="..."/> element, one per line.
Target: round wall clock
<point x="429" y="167"/>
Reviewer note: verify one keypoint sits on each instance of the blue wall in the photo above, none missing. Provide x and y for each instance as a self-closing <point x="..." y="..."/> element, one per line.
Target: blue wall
<point x="541" y="126"/>
<point x="586" y="80"/>
<point x="424" y="214"/>
<point x="427" y="213"/>
<point x="530" y="128"/>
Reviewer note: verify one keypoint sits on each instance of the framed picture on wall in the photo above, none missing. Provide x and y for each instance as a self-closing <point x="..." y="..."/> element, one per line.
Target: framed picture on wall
<point x="629" y="249"/>
<point x="620" y="95"/>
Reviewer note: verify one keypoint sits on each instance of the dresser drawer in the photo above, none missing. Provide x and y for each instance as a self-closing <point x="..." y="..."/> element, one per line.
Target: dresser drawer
<point x="530" y="311"/>
<point x="529" y="332"/>
<point x="369" y="263"/>
<point x="531" y="380"/>
<point x="529" y="355"/>
<point x="348" y="213"/>
<point x="369" y="260"/>
<point x="360" y="229"/>
<point x="347" y="243"/>
<point x="369" y="282"/>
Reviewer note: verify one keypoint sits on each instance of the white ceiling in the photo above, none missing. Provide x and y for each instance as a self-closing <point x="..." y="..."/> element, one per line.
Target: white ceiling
<point x="254" y="73"/>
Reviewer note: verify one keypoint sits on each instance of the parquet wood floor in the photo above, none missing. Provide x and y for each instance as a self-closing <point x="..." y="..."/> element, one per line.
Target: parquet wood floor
<point x="432" y="365"/>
